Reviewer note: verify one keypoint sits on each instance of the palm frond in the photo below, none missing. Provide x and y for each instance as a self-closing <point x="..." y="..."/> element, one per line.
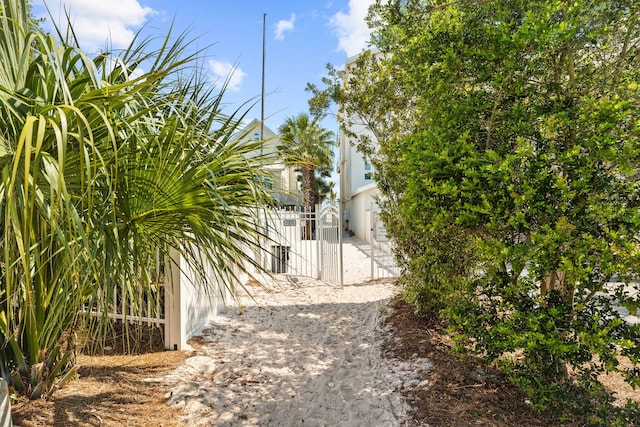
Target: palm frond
<point x="103" y="166"/>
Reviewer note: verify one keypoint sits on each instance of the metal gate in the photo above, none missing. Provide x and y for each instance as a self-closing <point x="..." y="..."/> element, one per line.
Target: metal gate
<point x="330" y="240"/>
<point x="383" y="262"/>
<point x="304" y="242"/>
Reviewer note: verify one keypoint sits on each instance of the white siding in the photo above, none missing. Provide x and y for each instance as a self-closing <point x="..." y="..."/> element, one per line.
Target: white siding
<point x="357" y="186"/>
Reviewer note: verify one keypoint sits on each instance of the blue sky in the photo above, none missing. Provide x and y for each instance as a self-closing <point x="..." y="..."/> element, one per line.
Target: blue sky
<point x="302" y="36"/>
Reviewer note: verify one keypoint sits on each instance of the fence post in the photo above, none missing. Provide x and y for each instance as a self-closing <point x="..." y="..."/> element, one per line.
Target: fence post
<point x="371" y="242"/>
<point x="340" y="263"/>
<point x="5" y="404"/>
<point x="172" y="302"/>
<point x="318" y="228"/>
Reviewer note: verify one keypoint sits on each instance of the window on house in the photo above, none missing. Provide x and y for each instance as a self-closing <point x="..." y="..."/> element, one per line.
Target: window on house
<point x="367" y="171"/>
<point x="268" y="183"/>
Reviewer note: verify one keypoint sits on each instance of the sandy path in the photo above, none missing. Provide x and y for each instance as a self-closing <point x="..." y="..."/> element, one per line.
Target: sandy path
<point x="305" y="354"/>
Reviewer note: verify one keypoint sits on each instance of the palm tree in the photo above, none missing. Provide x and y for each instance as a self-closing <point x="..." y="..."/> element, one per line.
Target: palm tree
<point x="101" y="166"/>
<point x="307" y="145"/>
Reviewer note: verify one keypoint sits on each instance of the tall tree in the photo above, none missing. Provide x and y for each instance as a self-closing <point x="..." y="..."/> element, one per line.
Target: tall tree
<point x="101" y="165"/>
<point x="309" y="146"/>
<point x="515" y="182"/>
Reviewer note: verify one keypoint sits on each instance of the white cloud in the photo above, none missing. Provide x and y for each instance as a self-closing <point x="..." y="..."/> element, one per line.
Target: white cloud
<point x="351" y="28"/>
<point x="284" y="26"/>
<point x="101" y="24"/>
<point x="226" y="72"/>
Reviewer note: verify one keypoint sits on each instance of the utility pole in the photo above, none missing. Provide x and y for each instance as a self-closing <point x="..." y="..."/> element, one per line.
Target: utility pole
<point x="264" y="45"/>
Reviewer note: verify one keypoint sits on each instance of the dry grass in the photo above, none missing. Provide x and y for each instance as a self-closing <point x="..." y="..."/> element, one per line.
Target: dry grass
<point x="460" y="392"/>
<point x="110" y="391"/>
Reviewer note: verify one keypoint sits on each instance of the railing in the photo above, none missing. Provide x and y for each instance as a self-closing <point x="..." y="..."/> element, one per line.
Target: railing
<point x="383" y="262"/>
<point x="149" y="308"/>
<point x="304" y="243"/>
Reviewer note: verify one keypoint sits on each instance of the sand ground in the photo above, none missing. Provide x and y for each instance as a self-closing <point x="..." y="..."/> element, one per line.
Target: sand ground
<point x="299" y="353"/>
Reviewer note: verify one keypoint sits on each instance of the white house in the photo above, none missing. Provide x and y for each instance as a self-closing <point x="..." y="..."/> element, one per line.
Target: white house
<point x="358" y="188"/>
<point x="284" y="178"/>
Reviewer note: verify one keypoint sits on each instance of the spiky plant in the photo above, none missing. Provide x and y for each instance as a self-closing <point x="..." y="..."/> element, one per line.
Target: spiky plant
<point x="103" y="164"/>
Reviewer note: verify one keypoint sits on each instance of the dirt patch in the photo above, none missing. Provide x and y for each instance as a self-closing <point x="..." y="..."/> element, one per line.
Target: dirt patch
<point x="457" y="392"/>
<point x="111" y="390"/>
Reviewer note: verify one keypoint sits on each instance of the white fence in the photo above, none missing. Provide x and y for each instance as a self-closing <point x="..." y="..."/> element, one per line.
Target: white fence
<point x="182" y="300"/>
<point x="296" y="242"/>
<point x="188" y="305"/>
<point x="304" y="243"/>
<point x="289" y="245"/>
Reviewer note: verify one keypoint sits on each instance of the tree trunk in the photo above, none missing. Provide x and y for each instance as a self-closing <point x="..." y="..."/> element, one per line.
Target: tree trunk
<point x="557" y="281"/>
<point x="308" y="187"/>
<point x="308" y="201"/>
